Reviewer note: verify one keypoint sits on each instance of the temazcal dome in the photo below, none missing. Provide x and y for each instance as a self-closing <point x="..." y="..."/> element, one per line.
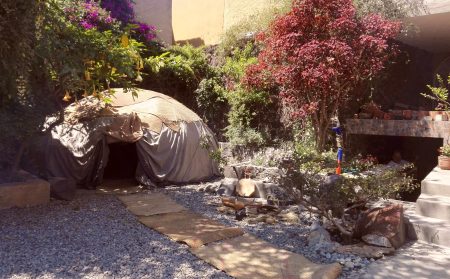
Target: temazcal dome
<point x="173" y="144"/>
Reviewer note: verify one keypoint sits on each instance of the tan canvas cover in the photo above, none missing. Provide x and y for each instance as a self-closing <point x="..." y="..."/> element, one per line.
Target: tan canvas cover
<point x="168" y="136"/>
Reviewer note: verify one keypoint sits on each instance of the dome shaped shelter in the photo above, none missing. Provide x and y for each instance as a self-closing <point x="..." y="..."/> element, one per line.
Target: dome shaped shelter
<point x="172" y="144"/>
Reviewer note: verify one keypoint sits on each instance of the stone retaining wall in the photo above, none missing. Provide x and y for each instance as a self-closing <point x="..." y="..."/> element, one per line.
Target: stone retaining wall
<point x="30" y="192"/>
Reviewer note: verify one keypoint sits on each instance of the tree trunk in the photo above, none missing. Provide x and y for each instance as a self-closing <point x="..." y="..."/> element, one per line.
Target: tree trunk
<point x="321" y="131"/>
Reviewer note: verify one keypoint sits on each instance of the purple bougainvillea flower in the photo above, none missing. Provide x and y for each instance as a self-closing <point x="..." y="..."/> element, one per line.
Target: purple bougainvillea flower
<point x="109" y="20"/>
<point x="121" y="10"/>
<point x="86" y="25"/>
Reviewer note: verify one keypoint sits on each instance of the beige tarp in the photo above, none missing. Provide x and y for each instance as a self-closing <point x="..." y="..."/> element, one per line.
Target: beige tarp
<point x="169" y="137"/>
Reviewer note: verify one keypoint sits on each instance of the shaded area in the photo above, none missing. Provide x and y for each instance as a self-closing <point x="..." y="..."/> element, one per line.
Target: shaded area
<point x="147" y="205"/>
<point x="122" y="162"/>
<point x="423" y="152"/>
<point x="417" y="260"/>
<point x="91" y="237"/>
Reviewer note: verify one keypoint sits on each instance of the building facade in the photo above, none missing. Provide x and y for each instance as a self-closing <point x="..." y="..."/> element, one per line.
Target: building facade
<point x="196" y="21"/>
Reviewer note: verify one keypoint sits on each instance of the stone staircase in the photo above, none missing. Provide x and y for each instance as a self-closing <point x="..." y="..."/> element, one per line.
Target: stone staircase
<point x="430" y="220"/>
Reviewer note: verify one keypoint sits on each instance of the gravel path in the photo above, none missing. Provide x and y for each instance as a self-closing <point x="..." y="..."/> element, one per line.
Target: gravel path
<point x="93" y="236"/>
<point x="286" y="236"/>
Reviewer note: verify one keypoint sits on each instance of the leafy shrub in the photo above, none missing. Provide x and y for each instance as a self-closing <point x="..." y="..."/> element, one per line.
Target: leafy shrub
<point x="334" y="197"/>
<point x="212" y="104"/>
<point x="246" y="126"/>
<point x="178" y="72"/>
<point x="89" y="15"/>
<point x="85" y="60"/>
<point x="439" y="94"/>
<point x="252" y="117"/>
<point x="17" y="39"/>
<point x="445" y="150"/>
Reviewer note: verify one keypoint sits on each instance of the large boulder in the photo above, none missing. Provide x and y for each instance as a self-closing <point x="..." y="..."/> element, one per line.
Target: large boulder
<point x="318" y="236"/>
<point x="246" y="188"/>
<point x="227" y="187"/>
<point x="386" y="222"/>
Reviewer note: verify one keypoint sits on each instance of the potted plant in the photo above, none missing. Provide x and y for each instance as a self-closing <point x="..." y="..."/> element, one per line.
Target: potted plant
<point x="444" y="158"/>
<point x="440" y="95"/>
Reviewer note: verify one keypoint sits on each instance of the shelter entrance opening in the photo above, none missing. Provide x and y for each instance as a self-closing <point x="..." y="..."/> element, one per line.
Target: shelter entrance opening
<point x="122" y="162"/>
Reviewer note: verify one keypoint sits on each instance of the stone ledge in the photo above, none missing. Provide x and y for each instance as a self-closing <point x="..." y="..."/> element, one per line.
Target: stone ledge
<point x="31" y="192"/>
<point x="401" y="128"/>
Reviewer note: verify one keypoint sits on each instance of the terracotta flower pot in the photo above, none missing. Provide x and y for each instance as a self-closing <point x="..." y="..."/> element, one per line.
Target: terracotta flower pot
<point x="435" y="113"/>
<point x="407" y="114"/>
<point x="423" y="114"/>
<point x="447" y="113"/>
<point x="441" y="117"/>
<point x="444" y="162"/>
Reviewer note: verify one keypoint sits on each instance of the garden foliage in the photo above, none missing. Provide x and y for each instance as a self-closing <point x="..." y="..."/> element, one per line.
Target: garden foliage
<point x="340" y="198"/>
<point x="77" y="50"/>
<point x="317" y="55"/>
<point x="178" y="73"/>
<point x="439" y="94"/>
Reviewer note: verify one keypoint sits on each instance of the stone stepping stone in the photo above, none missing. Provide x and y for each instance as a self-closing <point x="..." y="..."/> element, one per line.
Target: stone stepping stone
<point x="249" y="257"/>
<point x="119" y="187"/>
<point x="190" y="228"/>
<point x="148" y="204"/>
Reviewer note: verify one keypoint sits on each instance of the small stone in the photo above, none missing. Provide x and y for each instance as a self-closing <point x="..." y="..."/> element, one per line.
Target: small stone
<point x="261" y="218"/>
<point x="225" y="210"/>
<point x="349" y="265"/>
<point x="290" y="217"/>
<point x="315" y="226"/>
<point x="270" y="220"/>
<point x="319" y="237"/>
<point x="377" y="240"/>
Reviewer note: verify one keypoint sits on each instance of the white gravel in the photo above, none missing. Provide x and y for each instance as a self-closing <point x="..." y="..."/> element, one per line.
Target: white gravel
<point x="93" y="236"/>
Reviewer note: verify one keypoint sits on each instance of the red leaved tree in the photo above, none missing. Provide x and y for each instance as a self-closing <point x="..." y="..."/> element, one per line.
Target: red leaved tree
<point x="317" y="55"/>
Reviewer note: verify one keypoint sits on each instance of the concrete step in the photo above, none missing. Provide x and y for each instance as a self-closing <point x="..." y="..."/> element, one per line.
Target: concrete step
<point x="434" y="206"/>
<point x="428" y="229"/>
<point x="437" y="183"/>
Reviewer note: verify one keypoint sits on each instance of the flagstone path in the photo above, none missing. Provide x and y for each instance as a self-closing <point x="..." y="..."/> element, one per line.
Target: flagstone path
<point x="239" y="254"/>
